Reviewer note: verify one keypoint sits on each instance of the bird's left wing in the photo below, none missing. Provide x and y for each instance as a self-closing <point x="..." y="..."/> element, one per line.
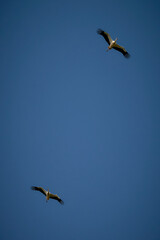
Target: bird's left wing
<point x="40" y="189"/>
<point x="54" y="196"/>
<point x="122" y="50"/>
<point x="106" y="36"/>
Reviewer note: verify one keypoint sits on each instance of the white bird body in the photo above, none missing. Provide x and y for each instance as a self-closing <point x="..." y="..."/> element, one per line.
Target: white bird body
<point x="47" y="194"/>
<point x="112" y="43"/>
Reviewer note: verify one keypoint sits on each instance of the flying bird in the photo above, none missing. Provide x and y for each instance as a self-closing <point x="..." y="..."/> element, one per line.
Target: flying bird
<point x="112" y="43"/>
<point x="47" y="194"/>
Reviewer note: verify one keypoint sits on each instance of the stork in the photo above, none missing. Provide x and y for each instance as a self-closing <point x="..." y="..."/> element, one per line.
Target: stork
<point x="112" y="43"/>
<point x="47" y="194"/>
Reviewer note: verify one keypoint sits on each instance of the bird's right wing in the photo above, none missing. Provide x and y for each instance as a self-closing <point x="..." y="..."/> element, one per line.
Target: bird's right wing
<point x="55" y="196"/>
<point x="106" y="36"/>
<point x="122" y="50"/>
<point x="40" y="189"/>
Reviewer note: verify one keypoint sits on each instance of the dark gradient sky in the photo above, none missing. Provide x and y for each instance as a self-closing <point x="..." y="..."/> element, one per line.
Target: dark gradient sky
<point x="79" y="121"/>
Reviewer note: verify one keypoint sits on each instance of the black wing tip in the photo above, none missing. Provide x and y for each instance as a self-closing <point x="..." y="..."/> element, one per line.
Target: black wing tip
<point x="61" y="202"/>
<point x="33" y="187"/>
<point x="100" y="31"/>
<point x="127" y="55"/>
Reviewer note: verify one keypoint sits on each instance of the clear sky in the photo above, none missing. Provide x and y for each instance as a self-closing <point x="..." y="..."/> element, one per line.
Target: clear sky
<point x="78" y="120"/>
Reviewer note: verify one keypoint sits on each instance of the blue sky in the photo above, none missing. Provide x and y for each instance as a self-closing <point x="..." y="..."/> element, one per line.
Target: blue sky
<point x="79" y="121"/>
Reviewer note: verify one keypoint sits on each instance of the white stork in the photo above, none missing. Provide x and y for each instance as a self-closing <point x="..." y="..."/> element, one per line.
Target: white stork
<point x="47" y="194"/>
<point x="112" y="43"/>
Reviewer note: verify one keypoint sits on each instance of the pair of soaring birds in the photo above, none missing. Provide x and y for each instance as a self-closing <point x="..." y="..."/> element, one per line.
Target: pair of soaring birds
<point x="114" y="45"/>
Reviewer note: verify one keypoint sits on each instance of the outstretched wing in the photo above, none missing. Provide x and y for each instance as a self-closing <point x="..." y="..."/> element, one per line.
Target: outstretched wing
<point x="106" y="36"/>
<point x="40" y="189"/>
<point x="54" y="196"/>
<point x="122" y="50"/>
